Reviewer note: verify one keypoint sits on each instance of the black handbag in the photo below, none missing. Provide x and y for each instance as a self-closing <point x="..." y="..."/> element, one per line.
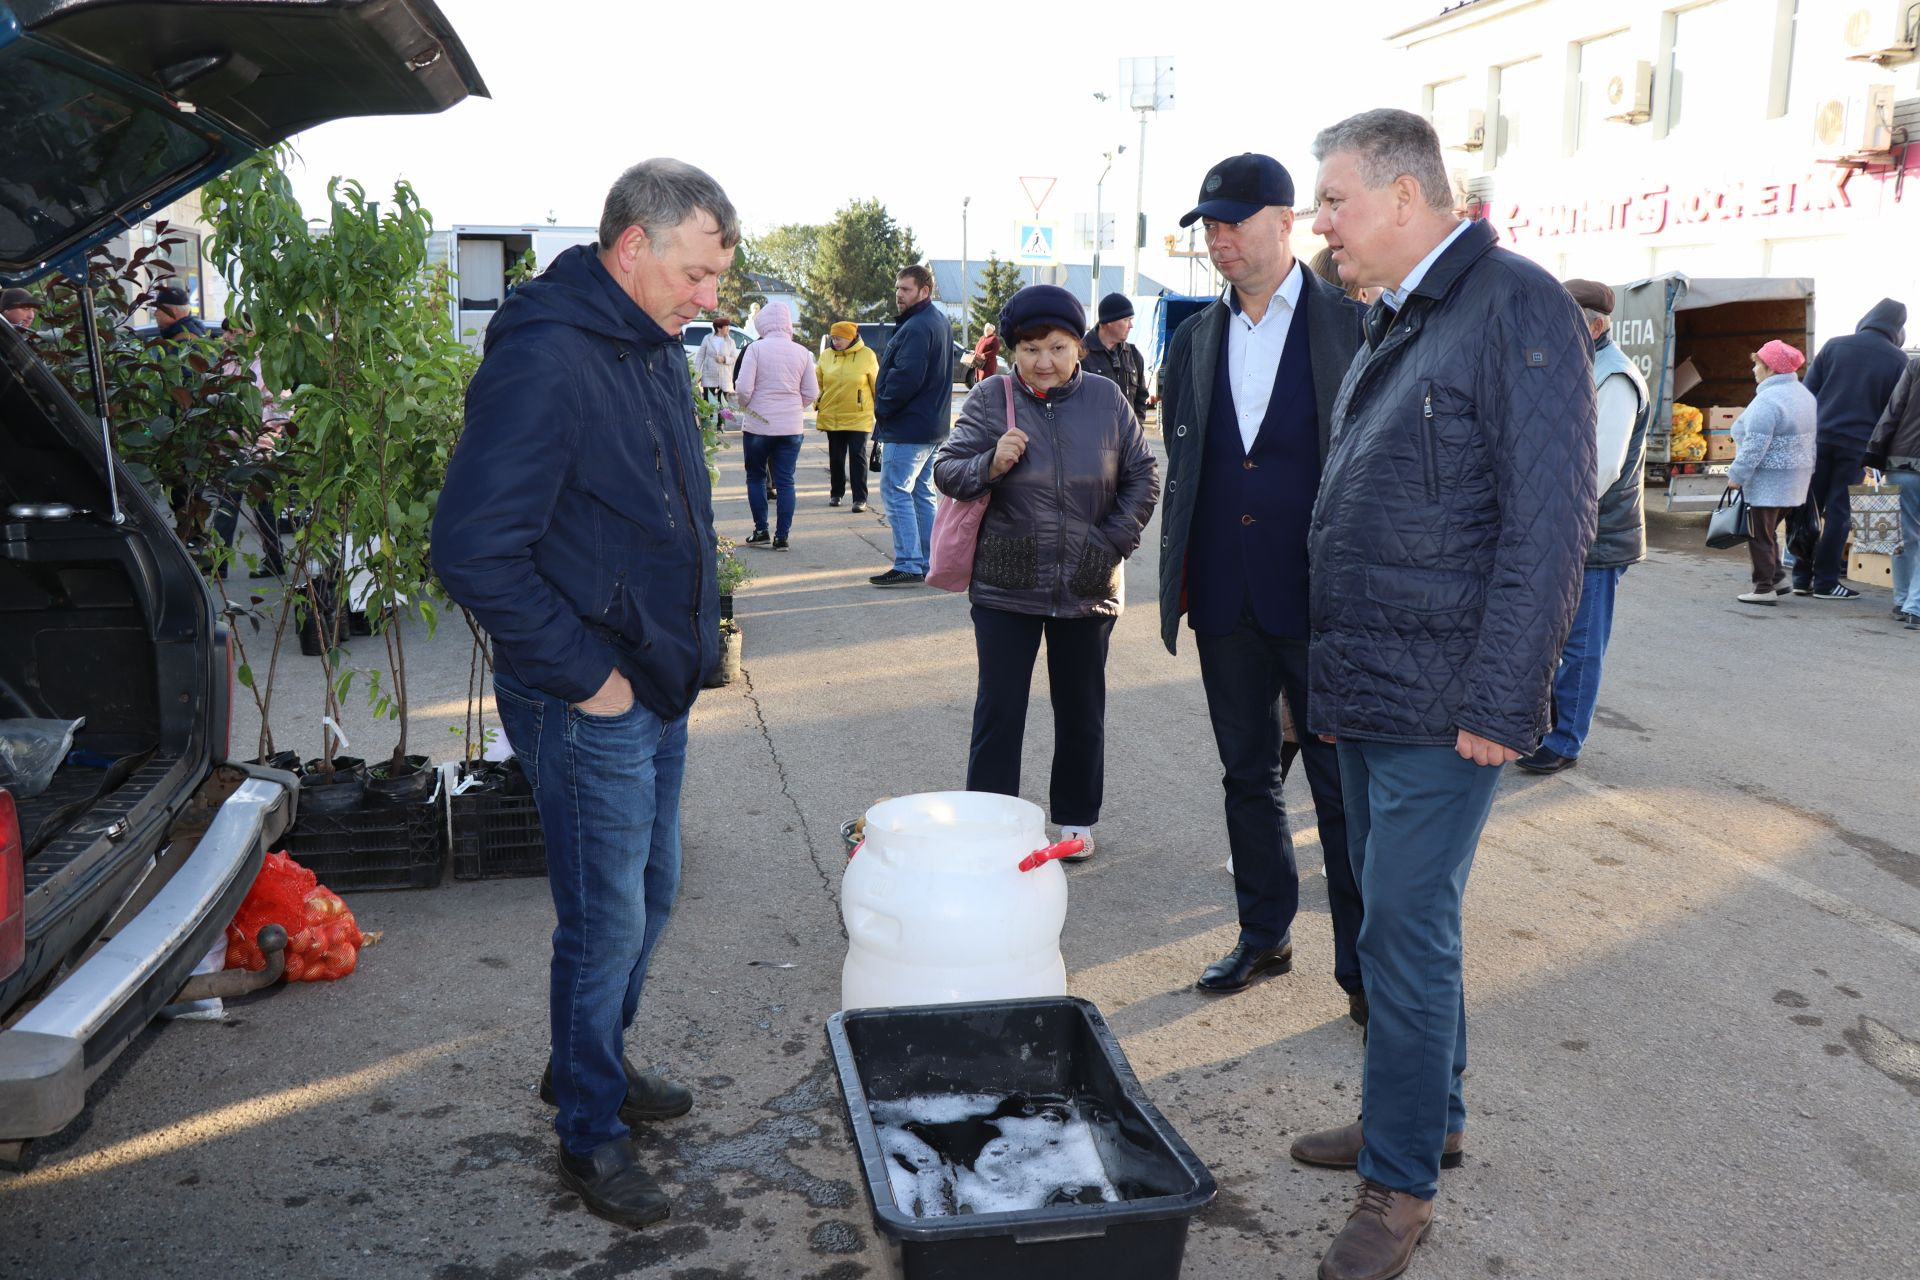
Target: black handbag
<point x="1729" y="526"/>
<point x="873" y="458"/>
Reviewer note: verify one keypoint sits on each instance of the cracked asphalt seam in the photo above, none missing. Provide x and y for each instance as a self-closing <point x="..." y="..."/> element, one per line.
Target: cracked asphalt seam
<point x="780" y="767"/>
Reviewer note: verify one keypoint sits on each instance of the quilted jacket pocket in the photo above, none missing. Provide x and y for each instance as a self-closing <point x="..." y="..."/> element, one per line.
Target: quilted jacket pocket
<point x="1412" y="590"/>
<point x="1011" y="564"/>
<point x="1093" y="576"/>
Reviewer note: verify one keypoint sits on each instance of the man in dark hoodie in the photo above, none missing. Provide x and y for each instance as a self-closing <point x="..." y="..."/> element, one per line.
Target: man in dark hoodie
<point x="577" y="525"/>
<point x="1851" y="379"/>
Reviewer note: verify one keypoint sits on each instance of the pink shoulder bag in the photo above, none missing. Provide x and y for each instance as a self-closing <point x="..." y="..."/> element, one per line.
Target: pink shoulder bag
<point x="956" y="529"/>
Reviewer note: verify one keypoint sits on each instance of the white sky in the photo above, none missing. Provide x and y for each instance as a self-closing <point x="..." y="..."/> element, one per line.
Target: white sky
<point x="797" y="109"/>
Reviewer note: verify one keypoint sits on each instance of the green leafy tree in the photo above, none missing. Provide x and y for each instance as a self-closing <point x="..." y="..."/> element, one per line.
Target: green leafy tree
<point x="998" y="282"/>
<point x="789" y="252"/>
<point x="859" y="256"/>
<point x="352" y="321"/>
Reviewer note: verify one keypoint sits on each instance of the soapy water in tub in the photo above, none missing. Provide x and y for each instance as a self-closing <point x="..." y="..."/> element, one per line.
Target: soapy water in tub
<point x="989" y="1153"/>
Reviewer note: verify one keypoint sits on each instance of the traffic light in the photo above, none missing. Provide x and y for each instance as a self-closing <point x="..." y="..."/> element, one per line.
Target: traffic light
<point x="1140" y="233"/>
<point x="1171" y="239"/>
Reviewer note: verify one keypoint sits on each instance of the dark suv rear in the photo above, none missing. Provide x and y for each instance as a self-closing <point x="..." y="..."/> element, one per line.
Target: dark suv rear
<point x="122" y="871"/>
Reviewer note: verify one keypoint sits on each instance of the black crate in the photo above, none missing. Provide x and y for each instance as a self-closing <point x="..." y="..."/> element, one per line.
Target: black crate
<point x="1056" y="1046"/>
<point x="496" y="836"/>
<point x="370" y="849"/>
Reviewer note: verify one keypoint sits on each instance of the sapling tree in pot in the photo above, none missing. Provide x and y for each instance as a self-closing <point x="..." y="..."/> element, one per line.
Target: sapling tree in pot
<point x="352" y="321"/>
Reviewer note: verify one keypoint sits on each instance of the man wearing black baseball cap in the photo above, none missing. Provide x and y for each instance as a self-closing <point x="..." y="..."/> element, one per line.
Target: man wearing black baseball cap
<point x="1246" y="402"/>
<point x="174" y="310"/>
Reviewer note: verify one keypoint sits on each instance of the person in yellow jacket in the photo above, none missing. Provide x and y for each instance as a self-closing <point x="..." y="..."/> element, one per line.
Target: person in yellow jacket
<point x="847" y="371"/>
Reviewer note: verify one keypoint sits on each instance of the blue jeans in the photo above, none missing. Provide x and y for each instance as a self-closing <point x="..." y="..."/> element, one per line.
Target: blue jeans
<point x="906" y="477"/>
<point x="1245" y="674"/>
<point x="783" y="452"/>
<point x="1414" y="817"/>
<point x="1906" y="562"/>
<point x="1576" y="685"/>
<point x="608" y="792"/>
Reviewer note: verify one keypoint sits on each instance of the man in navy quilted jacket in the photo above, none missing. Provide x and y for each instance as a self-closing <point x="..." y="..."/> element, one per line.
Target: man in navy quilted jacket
<point x="1454" y="517"/>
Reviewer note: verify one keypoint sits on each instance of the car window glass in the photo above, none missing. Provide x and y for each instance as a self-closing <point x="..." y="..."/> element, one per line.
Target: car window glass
<point x="75" y="152"/>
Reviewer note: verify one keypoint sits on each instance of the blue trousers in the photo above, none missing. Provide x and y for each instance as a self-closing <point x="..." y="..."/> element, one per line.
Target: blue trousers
<point x="1576" y="684"/>
<point x="906" y="478"/>
<point x="756" y="452"/>
<point x="608" y="792"/>
<point x="1245" y="673"/>
<point x="1414" y="817"/>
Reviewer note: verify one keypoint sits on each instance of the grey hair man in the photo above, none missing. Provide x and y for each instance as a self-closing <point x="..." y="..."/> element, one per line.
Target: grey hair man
<point x="1622" y="413"/>
<point x="577" y="524"/>
<point x="1455" y="512"/>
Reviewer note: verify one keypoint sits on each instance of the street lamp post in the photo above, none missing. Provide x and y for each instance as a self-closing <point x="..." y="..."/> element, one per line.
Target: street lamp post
<point x="966" y="285"/>
<point x="1098" y="226"/>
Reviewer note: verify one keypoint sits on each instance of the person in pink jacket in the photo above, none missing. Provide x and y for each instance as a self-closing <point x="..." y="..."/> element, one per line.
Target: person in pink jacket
<point x="775" y="385"/>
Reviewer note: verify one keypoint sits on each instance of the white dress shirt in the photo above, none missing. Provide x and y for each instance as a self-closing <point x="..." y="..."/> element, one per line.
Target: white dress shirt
<point x="1254" y="350"/>
<point x="1397" y="298"/>
<point x="1616" y="409"/>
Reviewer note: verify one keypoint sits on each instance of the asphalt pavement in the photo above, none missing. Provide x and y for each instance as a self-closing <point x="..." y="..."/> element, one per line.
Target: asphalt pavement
<point x="1691" y="976"/>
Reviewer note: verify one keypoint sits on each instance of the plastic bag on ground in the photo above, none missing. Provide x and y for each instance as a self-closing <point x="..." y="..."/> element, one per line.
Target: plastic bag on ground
<point x="323" y="939"/>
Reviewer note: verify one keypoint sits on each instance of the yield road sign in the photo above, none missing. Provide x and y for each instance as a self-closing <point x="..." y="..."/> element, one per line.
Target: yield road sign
<point x="1037" y="241"/>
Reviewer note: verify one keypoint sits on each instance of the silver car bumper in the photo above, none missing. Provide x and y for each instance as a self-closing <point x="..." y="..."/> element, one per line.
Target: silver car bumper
<point x="50" y="1056"/>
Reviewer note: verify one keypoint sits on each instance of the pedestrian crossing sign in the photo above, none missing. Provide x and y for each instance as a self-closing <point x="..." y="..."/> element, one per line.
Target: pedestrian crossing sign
<point x="1037" y="240"/>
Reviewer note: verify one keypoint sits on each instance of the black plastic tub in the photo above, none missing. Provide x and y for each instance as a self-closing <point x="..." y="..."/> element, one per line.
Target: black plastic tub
<point x="1055" y="1046"/>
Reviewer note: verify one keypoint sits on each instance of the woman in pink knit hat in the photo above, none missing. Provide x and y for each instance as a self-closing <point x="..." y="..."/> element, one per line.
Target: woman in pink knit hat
<point x="1773" y="461"/>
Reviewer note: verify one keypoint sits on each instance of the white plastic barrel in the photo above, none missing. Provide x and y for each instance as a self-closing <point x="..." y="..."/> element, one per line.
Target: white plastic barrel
<point x="938" y="911"/>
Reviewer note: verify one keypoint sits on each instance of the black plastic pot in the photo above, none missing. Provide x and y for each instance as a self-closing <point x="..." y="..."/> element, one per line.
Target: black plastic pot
<point x="729" y="669"/>
<point x="314" y="627"/>
<point x="386" y="790"/>
<point x="343" y="793"/>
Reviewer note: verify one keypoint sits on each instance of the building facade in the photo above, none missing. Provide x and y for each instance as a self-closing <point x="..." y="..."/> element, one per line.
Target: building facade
<point x="1724" y="138"/>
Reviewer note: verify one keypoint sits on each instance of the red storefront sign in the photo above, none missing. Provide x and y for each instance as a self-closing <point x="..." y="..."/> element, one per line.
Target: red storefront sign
<point x="1651" y="210"/>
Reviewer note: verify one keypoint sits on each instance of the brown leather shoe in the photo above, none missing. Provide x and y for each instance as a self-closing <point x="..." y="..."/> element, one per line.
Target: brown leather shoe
<point x="1378" y="1241"/>
<point x="1340" y="1148"/>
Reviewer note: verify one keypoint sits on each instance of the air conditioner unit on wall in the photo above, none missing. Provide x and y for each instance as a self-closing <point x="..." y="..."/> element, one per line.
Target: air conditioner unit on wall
<point x="1627" y="92"/>
<point x="1861" y="123"/>
<point x="1882" y="31"/>
<point x="1462" y="130"/>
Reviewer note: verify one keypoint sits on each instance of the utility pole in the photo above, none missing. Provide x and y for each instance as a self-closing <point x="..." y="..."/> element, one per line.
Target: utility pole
<point x="966" y="285"/>
<point x="1148" y="84"/>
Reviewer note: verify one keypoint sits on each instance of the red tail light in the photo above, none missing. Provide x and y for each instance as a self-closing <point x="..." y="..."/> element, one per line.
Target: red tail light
<point x="13" y="885"/>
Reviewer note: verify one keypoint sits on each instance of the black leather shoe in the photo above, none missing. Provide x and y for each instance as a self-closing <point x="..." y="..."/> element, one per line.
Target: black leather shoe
<point x="1545" y="761"/>
<point x="649" y="1097"/>
<point x="1357" y="1008"/>
<point x="612" y="1184"/>
<point x="1237" y="970"/>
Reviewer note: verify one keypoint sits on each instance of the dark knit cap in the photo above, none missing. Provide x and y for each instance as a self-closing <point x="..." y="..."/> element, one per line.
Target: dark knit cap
<point x="170" y="296"/>
<point x="1043" y="304"/>
<point x="1115" y="306"/>
<point x="1592" y="295"/>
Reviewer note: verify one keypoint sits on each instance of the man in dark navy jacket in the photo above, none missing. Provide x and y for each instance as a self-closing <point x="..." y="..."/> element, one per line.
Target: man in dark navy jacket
<point x="1248" y="398"/>
<point x="577" y="525"/>
<point x="913" y="411"/>
<point x="1454" y="517"/>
